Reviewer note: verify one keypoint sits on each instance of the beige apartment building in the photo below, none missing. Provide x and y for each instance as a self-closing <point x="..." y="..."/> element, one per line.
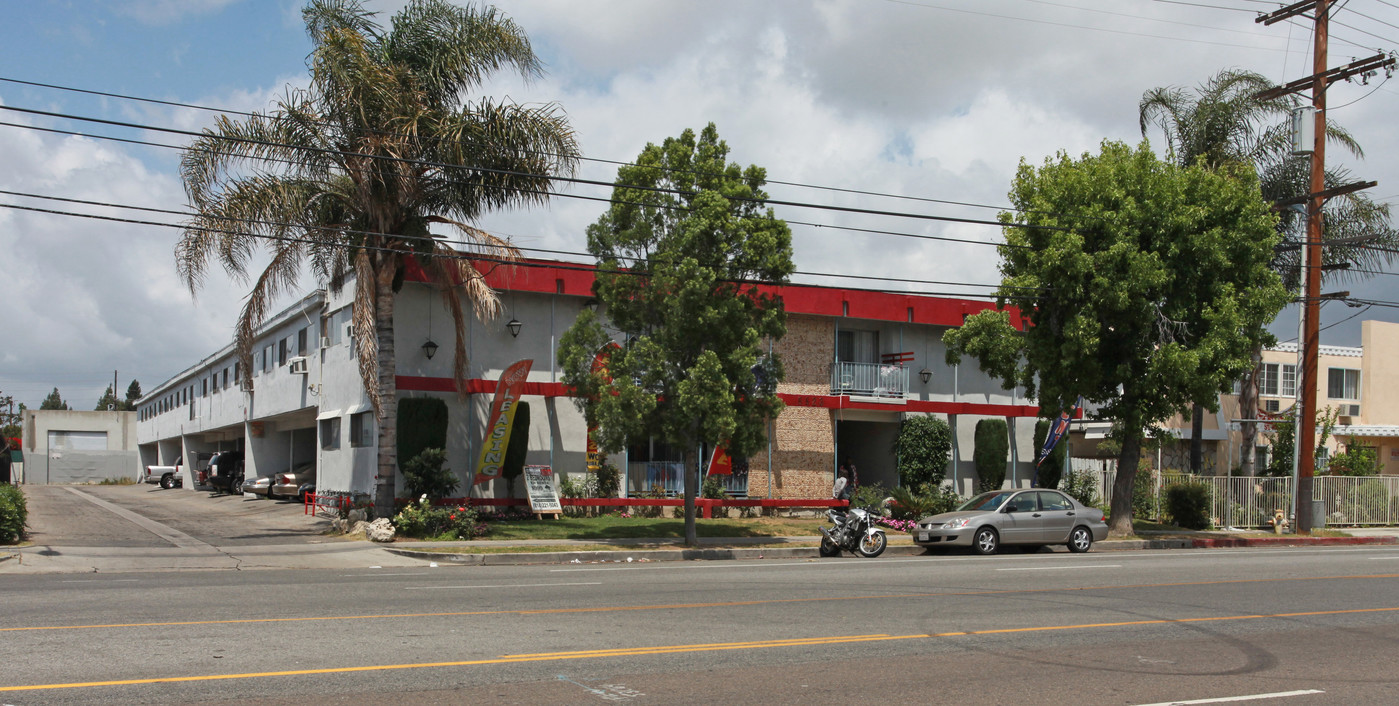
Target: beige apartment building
<point x="1358" y="383"/>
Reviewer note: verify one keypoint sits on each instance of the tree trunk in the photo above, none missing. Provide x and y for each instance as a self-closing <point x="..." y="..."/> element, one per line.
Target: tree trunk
<point x="691" y="490"/>
<point x="388" y="398"/>
<point x="1197" y="444"/>
<point x="1248" y="409"/>
<point x="1121" y="507"/>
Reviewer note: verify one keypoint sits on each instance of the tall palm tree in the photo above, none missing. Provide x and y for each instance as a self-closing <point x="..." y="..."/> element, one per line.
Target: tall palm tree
<point x="1223" y="124"/>
<point x="348" y="175"/>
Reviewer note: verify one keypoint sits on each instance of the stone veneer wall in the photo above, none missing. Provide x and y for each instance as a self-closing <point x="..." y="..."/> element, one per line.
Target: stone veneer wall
<point x="802" y="438"/>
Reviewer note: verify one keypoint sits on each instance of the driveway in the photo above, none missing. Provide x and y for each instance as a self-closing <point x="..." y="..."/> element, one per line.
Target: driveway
<point x="113" y="528"/>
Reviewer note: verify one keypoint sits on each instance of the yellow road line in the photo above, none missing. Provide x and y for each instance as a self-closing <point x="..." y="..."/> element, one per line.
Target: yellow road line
<point x="675" y="649"/>
<point x="684" y="606"/>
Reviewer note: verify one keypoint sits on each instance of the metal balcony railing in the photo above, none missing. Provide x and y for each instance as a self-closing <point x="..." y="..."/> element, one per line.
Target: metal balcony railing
<point x="869" y="379"/>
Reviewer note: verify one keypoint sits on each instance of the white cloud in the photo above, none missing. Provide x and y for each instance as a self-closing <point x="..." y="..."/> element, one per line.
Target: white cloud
<point x="165" y="12"/>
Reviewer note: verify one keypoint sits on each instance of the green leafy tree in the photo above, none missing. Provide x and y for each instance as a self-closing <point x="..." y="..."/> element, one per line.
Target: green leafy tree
<point x="923" y="447"/>
<point x="10" y="418"/>
<point x="1146" y="286"/>
<point x="53" y="401"/>
<point x="1223" y="124"/>
<point x="108" y="400"/>
<point x="990" y="453"/>
<point x="349" y="175"/>
<point x="133" y="393"/>
<point x="681" y="255"/>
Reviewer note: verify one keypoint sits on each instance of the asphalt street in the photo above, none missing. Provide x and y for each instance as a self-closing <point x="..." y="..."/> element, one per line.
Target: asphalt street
<point x="112" y="605"/>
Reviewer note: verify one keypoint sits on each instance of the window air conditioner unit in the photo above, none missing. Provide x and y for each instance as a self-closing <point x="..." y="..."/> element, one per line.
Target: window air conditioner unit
<point x="349" y="330"/>
<point x="1270" y="406"/>
<point x="299" y="366"/>
<point x="1350" y="410"/>
<point x="325" y="341"/>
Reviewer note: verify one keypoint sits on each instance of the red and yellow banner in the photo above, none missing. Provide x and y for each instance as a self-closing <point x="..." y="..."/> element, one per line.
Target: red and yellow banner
<point x="507" y="396"/>
<point x="719" y="463"/>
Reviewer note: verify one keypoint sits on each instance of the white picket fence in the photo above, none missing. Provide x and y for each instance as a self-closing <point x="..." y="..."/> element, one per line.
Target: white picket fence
<point x="1252" y="502"/>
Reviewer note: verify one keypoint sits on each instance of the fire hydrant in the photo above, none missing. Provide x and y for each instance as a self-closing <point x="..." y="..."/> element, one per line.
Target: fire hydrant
<point x="1279" y="522"/>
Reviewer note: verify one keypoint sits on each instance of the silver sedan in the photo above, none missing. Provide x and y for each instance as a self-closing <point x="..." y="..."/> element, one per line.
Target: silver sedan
<point x="1031" y="517"/>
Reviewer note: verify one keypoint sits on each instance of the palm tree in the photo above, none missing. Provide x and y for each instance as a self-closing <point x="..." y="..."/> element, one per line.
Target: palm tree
<point x="348" y="175"/>
<point x="1223" y="125"/>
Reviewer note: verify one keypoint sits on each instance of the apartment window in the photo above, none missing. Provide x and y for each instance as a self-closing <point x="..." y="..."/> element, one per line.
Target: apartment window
<point x="267" y="358"/>
<point x="1277" y="380"/>
<point x="1342" y="384"/>
<point x="282" y="352"/>
<point x="204" y="388"/>
<point x="235" y="373"/>
<point x="1289" y="381"/>
<point x="362" y="429"/>
<point x="301" y="337"/>
<point x="225" y="378"/>
<point x="330" y="433"/>
<point x="858" y="346"/>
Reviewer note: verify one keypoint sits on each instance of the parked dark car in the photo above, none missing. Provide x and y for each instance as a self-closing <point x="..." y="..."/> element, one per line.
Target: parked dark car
<point x="226" y="471"/>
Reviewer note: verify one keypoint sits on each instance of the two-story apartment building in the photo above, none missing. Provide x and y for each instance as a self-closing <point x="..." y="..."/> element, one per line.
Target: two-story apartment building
<point x="856" y="363"/>
<point x="1358" y="384"/>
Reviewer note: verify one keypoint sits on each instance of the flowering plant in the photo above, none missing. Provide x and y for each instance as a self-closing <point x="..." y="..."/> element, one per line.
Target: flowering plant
<point x="424" y="521"/>
<point x="898" y="525"/>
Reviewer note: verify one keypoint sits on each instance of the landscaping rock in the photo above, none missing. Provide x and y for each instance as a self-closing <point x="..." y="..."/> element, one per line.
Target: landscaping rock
<point x="380" y="530"/>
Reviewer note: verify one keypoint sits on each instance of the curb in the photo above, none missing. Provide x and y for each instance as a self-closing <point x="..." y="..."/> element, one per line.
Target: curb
<point x="1227" y="542"/>
<point x="6" y="556"/>
<point x="773" y="552"/>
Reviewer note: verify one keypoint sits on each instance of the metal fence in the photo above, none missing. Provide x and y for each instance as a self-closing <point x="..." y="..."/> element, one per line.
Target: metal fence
<point x="869" y="379"/>
<point x="669" y="477"/>
<point x="1252" y="502"/>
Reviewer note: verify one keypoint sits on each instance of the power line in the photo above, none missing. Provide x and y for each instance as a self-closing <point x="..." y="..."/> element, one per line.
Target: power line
<point x="600" y="199"/>
<point x="599" y="160"/>
<point x="456" y="255"/>
<point x="352" y="231"/>
<point x="931" y="6"/>
<point x="508" y="172"/>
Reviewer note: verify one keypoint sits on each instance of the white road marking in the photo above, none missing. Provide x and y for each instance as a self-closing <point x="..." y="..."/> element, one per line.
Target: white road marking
<point x="416" y="573"/>
<point x="1062" y="568"/>
<point x="504" y="585"/>
<point x="1250" y="697"/>
<point x="101" y="581"/>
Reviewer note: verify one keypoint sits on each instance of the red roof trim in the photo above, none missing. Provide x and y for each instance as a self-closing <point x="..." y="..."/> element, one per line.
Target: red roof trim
<point x="576" y="279"/>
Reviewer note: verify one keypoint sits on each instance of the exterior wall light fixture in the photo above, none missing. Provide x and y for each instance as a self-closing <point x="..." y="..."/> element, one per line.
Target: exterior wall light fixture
<point x="514" y="327"/>
<point x="429" y="349"/>
<point x="925" y="375"/>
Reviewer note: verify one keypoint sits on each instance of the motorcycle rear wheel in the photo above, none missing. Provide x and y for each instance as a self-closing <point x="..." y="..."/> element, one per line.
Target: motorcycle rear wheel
<point x="828" y="548"/>
<point x="872" y="545"/>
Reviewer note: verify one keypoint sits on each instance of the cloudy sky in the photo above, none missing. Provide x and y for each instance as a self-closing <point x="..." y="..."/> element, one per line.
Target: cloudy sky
<point x="916" y="103"/>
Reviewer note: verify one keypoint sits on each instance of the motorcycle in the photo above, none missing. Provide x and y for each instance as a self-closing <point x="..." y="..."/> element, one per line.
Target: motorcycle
<point x="854" y="531"/>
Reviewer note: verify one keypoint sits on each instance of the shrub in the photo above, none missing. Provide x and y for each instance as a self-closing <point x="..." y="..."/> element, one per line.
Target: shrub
<point x="14" y="514"/>
<point x="515" y="451"/>
<point x="424" y="521"/>
<point x="426" y="474"/>
<point x="990" y="453"/>
<point x="1083" y="487"/>
<point x="585" y="488"/>
<point x="923" y="447"/>
<point x="609" y="481"/>
<point x="713" y="489"/>
<point x="1144" y="492"/>
<point x="912" y="506"/>
<point x="1356" y="460"/>
<point x="1188" y="504"/>
<point x="869" y="495"/>
<point x="1049" y="472"/>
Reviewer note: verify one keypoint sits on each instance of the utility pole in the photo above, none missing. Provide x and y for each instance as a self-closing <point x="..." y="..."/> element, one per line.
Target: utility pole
<point x="1304" y="447"/>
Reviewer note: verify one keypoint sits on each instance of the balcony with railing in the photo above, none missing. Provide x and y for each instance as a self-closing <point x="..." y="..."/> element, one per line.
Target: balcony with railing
<point x="869" y="379"/>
